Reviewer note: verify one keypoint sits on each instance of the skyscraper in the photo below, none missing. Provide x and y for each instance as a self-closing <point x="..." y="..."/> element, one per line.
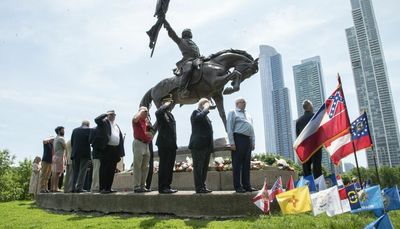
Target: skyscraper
<point x="309" y="85"/>
<point x="276" y="107"/>
<point x="372" y="84"/>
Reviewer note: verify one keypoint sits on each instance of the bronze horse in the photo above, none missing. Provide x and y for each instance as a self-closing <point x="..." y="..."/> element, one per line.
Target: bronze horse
<point x="208" y="81"/>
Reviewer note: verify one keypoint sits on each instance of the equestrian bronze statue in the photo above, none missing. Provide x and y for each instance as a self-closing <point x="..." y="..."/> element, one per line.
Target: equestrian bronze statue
<point x="207" y="80"/>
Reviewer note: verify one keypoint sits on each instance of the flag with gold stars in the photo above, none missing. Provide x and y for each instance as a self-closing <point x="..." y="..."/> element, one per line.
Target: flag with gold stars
<point x="295" y="201"/>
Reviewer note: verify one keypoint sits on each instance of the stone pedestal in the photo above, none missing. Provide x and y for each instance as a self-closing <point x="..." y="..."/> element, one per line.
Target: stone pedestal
<point x="218" y="181"/>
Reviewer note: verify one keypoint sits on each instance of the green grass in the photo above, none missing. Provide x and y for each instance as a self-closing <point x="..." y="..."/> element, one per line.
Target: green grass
<point x="25" y="214"/>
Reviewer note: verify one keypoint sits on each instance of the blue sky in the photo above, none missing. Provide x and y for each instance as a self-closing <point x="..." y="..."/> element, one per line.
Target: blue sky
<point x="65" y="61"/>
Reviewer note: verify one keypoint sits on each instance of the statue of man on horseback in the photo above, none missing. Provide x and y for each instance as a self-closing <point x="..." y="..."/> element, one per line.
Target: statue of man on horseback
<point x="191" y="57"/>
<point x="195" y="76"/>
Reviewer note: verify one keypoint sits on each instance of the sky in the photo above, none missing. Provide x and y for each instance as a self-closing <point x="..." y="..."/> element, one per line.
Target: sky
<point x="62" y="62"/>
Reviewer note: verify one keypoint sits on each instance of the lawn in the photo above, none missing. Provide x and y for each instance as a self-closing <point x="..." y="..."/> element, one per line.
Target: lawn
<point x="25" y="214"/>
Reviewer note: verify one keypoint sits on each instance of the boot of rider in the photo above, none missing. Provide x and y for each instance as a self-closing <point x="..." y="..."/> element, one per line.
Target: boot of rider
<point x="184" y="84"/>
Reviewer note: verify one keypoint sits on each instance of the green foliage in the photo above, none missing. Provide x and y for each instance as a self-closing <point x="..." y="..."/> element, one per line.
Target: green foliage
<point x="388" y="176"/>
<point x="268" y="158"/>
<point x="24" y="214"/>
<point x="14" y="181"/>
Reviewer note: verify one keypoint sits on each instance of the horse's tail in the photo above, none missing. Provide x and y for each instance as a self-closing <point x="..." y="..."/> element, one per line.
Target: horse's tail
<point x="147" y="99"/>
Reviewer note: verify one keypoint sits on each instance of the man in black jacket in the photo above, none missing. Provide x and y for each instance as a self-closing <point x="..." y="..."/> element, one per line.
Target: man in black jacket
<point x="109" y="142"/>
<point x="201" y="144"/>
<point x="166" y="142"/>
<point x="316" y="159"/>
<point x="80" y="155"/>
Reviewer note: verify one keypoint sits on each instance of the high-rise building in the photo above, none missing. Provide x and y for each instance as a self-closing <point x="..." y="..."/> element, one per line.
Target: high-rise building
<point x="276" y="107"/>
<point x="309" y="85"/>
<point x="372" y="84"/>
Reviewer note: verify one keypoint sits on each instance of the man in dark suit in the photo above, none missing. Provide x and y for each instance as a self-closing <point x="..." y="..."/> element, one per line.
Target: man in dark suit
<point x="316" y="159"/>
<point x="201" y="144"/>
<point x="166" y="142"/>
<point x="80" y="155"/>
<point x="109" y="142"/>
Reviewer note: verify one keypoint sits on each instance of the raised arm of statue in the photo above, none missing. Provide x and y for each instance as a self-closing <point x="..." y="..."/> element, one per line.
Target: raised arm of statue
<point x="171" y="32"/>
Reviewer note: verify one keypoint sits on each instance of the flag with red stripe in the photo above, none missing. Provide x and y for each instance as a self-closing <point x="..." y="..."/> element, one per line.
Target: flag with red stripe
<point x="328" y="123"/>
<point x="276" y="189"/>
<point x="358" y="134"/>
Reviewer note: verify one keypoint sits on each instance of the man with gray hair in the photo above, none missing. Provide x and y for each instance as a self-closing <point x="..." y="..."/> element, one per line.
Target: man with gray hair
<point x="80" y="155"/>
<point x="316" y="159"/>
<point x="241" y="138"/>
<point x="109" y="142"/>
<point x="141" y="152"/>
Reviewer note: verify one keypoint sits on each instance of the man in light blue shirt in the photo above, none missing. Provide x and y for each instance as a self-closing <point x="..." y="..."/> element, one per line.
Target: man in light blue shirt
<point x="242" y="141"/>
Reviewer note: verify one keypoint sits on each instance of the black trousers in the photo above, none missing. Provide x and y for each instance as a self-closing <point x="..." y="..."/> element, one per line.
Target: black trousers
<point x="201" y="159"/>
<point x="151" y="166"/>
<point x="315" y="161"/>
<point x="241" y="161"/>
<point x="79" y="170"/>
<point x="166" y="166"/>
<point x="108" y="164"/>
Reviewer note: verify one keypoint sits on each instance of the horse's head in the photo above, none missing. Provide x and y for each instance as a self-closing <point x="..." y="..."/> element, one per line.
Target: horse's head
<point x="247" y="68"/>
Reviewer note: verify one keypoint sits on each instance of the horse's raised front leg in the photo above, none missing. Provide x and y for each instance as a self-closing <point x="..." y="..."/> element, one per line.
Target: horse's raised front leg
<point x="235" y="77"/>
<point x="219" y="101"/>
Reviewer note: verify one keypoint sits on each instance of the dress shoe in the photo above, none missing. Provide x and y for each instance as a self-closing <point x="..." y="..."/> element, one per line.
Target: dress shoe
<point x="113" y="191"/>
<point x="80" y="191"/>
<point x="139" y="190"/>
<point x="167" y="191"/>
<point x="147" y="190"/>
<point x="251" y="190"/>
<point x="203" y="190"/>
<point x="240" y="190"/>
<point x="105" y="191"/>
<point x="43" y="191"/>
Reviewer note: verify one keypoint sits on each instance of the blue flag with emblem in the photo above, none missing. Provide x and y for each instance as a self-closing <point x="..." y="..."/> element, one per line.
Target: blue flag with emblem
<point x="382" y="222"/>
<point x="370" y="199"/>
<point x="331" y="178"/>
<point x="391" y="198"/>
<point x="353" y="197"/>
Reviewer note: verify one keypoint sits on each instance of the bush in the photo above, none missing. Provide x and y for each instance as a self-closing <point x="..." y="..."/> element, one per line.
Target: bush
<point x="388" y="176"/>
<point x="14" y="181"/>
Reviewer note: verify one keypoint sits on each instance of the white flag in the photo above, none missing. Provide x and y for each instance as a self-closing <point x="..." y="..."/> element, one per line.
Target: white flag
<point x="327" y="201"/>
<point x="320" y="183"/>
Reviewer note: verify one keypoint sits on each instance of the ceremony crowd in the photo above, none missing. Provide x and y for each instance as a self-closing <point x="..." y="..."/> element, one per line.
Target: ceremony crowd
<point x="89" y="159"/>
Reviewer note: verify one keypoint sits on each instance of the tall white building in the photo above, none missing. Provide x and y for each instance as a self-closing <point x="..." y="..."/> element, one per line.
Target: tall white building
<point x="309" y="85"/>
<point x="276" y="107"/>
<point x="372" y="84"/>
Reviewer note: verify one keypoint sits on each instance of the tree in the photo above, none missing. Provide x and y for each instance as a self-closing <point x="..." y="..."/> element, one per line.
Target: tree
<point x="14" y="181"/>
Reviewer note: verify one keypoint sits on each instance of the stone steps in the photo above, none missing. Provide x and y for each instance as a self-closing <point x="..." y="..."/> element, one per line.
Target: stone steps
<point x="218" y="204"/>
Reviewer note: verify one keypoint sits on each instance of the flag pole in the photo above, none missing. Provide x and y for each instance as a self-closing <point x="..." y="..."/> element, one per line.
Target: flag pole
<point x="352" y="143"/>
<point x="373" y="151"/>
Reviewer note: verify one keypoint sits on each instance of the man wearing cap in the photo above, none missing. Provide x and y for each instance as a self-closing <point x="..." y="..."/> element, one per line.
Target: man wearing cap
<point x="166" y="142"/>
<point x="80" y="155"/>
<point x="110" y="143"/>
<point x="141" y="152"/>
<point x="191" y="56"/>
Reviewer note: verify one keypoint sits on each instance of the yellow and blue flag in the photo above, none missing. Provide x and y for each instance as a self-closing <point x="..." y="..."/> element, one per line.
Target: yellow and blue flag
<point x="295" y="201"/>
